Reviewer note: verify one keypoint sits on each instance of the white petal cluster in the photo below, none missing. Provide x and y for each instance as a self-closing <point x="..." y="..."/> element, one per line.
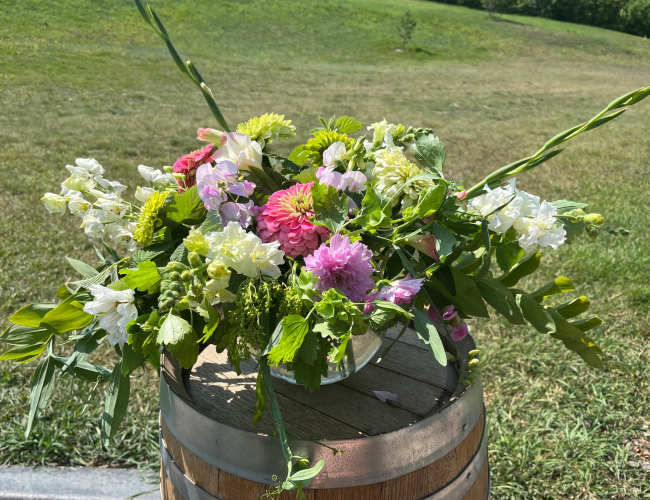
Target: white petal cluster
<point x="244" y="252"/>
<point x="383" y="134"/>
<point x="507" y="206"/>
<point x="115" y="309"/>
<point x="393" y="170"/>
<point x="238" y="148"/>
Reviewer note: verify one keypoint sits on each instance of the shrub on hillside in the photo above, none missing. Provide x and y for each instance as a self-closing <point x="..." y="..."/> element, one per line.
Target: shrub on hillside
<point x="636" y="16"/>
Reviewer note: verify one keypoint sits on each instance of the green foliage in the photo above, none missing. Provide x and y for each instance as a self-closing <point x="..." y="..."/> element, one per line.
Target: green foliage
<point x="145" y="279"/>
<point x="179" y="338"/>
<point x="186" y="205"/>
<point x="68" y="315"/>
<point x="115" y="404"/>
<point x="294" y="330"/>
<point x="430" y="152"/>
<point x="329" y="210"/>
<point x="428" y="334"/>
<point x="42" y="387"/>
<point x="347" y="125"/>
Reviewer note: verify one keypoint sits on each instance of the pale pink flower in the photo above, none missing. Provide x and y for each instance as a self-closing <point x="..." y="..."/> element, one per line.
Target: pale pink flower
<point x="449" y="315"/>
<point x="208" y="135"/>
<point x="285" y="218"/>
<point x="342" y="265"/>
<point x="425" y="245"/>
<point x="398" y="292"/>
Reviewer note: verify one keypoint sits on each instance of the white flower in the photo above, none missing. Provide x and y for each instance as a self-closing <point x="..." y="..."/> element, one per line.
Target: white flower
<point x="80" y="180"/>
<point x="117" y="186"/>
<point x="501" y="206"/>
<point x="93" y="227"/>
<point x="393" y="170"/>
<point x="78" y="205"/>
<point x="244" y="252"/>
<point x="115" y="310"/>
<point x="154" y="177"/>
<point x="112" y="210"/>
<point x="142" y="193"/>
<point x="90" y="165"/>
<point x="239" y="149"/>
<point x="54" y="203"/>
<point x="333" y="154"/>
<point x="539" y="229"/>
<point x="384" y="132"/>
<point x="122" y="233"/>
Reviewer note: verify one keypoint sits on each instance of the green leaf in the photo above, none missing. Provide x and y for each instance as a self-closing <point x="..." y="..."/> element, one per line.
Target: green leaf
<point x="180" y="254"/>
<point x="98" y="279"/>
<point x="567" y="206"/>
<point x="574" y="308"/>
<point x="445" y="240"/>
<point x="573" y="228"/>
<point x="213" y="321"/>
<point x="294" y="330"/>
<point x="25" y="335"/>
<point x="63" y="292"/>
<point x="430" y="152"/>
<point x="142" y="255"/>
<point x="585" y="325"/>
<point x="260" y="399"/>
<point x="563" y="329"/>
<point x="347" y="125"/>
<point x="183" y="206"/>
<point x="179" y="338"/>
<point x="508" y="254"/>
<point x="20" y="352"/>
<point x="212" y="223"/>
<point x="428" y="334"/>
<point x="82" y="268"/>
<point x="144" y="279"/>
<point x="337" y="353"/>
<point x="31" y="315"/>
<point x="306" y="176"/>
<point x="536" y="314"/>
<point x="444" y="275"/>
<point x="430" y="201"/>
<point x="131" y="360"/>
<point x="299" y="155"/>
<point x="468" y="298"/>
<point x="68" y="315"/>
<point x="393" y="266"/>
<point x="396" y="310"/>
<point x="83" y="369"/>
<point x="42" y="386"/>
<point x="524" y="268"/>
<point x="308" y="351"/>
<point x="576" y="341"/>
<point x="500" y="297"/>
<point x="303" y="475"/>
<point x="115" y="404"/>
<point x="560" y="285"/>
<point x="118" y="285"/>
<point x="329" y="211"/>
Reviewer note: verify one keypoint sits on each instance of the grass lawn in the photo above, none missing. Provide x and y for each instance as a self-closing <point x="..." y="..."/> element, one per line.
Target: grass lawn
<point x="81" y="78"/>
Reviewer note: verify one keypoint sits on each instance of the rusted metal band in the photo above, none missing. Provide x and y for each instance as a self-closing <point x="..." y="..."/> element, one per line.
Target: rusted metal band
<point x="366" y="460"/>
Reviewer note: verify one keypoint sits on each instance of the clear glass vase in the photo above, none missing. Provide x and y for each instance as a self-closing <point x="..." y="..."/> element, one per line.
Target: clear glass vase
<point x="360" y="350"/>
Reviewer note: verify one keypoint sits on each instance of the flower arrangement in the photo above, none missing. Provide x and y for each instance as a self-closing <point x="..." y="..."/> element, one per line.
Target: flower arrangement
<point x="287" y="260"/>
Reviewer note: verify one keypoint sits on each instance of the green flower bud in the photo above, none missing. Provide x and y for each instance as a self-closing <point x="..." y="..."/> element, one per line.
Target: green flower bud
<point x="596" y="219"/>
<point x="195" y="260"/>
<point x="197" y="289"/>
<point x="176" y="266"/>
<point x="473" y="363"/>
<point x="474" y="353"/>
<point x="183" y="304"/>
<point x="186" y="276"/>
<point x="174" y="276"/>
<point x="174" y="286"/>
<point x="164" y="285"/>
<point x="176" y="295"/>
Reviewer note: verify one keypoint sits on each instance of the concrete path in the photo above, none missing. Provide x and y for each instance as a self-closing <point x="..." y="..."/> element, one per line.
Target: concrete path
<point x="71" y="483"/>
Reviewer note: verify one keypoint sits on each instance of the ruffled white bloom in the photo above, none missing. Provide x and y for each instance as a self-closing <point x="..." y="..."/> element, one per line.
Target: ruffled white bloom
<point x="92" y="225"/>
<point x="54" y="203"/>
<point x="115" y="310"/>
<point x="539" y="229"/>
<point x="80" y="180"/>
<point x="393" y="170"/>
<point x="142" y="193"/>
<point x="239" y="149"/>
<point x="384" y="133"/>
<point x="244" y="252"/>
<point x="155" y="177"/>
<point x="90" y="165"/>
<point x="122" y="234"/>
<point x="117" y="186"/>
<point x="489" y="205"/>
<point x="112" y="210"/>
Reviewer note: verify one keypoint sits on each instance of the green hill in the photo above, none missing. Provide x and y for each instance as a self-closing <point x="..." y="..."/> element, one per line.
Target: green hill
<point x="82" y="78"/>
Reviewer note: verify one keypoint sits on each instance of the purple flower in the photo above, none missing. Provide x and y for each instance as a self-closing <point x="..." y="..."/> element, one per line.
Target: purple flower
<point x="450" y="316"/>
<point x="238" y="212"/>
<point x="212" y="181"/>
<point x="342" y="265"/>
<point x="398" y="292"/>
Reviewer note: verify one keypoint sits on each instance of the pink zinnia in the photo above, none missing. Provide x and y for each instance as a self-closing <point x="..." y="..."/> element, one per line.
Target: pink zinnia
<point x="398" y="292"/>
<point x="188" y="164"/>
<point x="285" y="218"/>
<point x="342" y="265"/>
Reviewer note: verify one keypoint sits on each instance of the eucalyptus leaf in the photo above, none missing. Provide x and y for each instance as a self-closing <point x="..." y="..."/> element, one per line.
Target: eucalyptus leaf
<point x="82" y="268"/>
<point x="42" y="387"/>
<point x="536" y="314"/>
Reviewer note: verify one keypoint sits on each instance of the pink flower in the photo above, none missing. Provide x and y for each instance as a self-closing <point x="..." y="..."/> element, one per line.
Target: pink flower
<point x="398" y="292"/>
<point x="342" y="265"/>
<point x="188" y="164"/>
<point x="208" y="135"/>
<point x="449" y="315"/>
<point x="461" y="195"/>
<point x="285" y="218"/>
<point x="425" y="245"/>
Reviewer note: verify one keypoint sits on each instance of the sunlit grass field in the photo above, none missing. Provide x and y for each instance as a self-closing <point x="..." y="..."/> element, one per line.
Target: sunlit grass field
<point x="81" y="78"/>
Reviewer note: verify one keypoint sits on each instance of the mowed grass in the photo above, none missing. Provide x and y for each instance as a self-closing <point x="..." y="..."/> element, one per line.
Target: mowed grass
<point x="90" y="79"/>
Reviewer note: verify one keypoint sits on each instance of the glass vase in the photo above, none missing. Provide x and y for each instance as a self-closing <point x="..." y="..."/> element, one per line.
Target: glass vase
<point x="360" y="350"/>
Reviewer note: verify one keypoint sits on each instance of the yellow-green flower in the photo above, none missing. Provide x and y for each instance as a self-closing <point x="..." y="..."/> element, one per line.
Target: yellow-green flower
<point x="322" y="140"/>
<point x="147" y="222"/>
<point x="393" y="170"/>
<point x="267" y="128"/>
<point x="196" y="242"/>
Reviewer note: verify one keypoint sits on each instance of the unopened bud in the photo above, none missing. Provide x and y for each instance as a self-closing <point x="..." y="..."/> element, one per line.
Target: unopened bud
<point x="195" y="260"/>
<point x="596" y="219"/>
<point x="472" y="354"/>
<point x="473" y="363"/>
<point x="186" y="276"/>
<point x="183" y="304"/>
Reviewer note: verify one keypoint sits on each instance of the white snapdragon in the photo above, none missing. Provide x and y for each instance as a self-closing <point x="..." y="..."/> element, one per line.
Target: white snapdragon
<point x="54" y="203"/>
<point x="244" y="252"/>
<point x="116" y="186"/>
<point x="115" y="309"/>
<point x="383" y="133"/>
<point x="501" y="206"/>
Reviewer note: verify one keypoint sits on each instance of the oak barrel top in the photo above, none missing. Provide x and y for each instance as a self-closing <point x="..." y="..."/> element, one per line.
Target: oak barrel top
<point x="347" y="409"/>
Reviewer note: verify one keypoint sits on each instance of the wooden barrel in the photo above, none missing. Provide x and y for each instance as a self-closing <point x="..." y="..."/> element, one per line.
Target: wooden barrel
<point x="431" y="443"/>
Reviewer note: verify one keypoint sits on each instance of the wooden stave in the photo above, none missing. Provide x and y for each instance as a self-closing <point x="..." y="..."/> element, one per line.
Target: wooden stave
<point x="418" y="485"/>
